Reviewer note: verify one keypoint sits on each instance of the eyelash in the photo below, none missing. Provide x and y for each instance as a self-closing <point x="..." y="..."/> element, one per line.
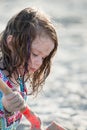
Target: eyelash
<point x="36" y="55"/>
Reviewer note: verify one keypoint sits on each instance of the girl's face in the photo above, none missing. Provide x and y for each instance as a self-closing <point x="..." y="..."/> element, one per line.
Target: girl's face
<point x="40" y="49"/>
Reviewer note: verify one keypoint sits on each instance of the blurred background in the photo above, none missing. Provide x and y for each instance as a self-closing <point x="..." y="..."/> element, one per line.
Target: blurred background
<point x="64" y="96"/>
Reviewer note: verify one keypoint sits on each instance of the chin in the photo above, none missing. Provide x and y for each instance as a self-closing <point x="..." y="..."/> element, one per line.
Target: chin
<point x="31" y="72"/>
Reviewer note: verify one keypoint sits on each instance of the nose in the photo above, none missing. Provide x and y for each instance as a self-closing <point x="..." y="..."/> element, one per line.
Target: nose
<point x="38" y="62"/>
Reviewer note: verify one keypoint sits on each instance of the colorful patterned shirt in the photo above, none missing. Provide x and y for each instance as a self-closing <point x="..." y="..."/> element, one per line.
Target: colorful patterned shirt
<point x="9" y="122"/>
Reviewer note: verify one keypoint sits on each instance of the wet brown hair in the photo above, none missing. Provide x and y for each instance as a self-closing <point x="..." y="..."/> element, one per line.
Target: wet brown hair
<point x="24" y="27"/>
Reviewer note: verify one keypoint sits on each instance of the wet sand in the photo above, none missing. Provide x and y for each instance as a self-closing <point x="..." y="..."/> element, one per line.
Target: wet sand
<point x="64" y="96"/>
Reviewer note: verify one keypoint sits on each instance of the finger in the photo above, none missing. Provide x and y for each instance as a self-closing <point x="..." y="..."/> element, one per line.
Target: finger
<point x="10" y="96"/>
<point x="19" y="107"/>
<point x="19" y="103"/>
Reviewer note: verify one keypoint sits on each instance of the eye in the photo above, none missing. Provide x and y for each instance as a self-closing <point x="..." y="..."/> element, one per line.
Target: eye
<point x="34" y="54"/>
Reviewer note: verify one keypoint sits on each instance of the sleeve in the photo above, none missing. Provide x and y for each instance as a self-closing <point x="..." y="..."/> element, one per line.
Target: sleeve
<point x="1" y="105"/>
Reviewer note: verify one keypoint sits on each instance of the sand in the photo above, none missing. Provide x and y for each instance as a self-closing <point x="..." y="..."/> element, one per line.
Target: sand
<point x="64" y="96"/>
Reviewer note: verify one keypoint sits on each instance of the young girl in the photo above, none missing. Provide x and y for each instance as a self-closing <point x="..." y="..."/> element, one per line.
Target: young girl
<point x="27" y="44"/>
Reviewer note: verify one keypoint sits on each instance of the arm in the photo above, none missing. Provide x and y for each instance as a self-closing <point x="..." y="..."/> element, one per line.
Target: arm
<point x="32" y="118"/>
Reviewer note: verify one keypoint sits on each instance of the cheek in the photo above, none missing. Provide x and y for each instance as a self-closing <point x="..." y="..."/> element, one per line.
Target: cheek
<point x="30" y="61"/>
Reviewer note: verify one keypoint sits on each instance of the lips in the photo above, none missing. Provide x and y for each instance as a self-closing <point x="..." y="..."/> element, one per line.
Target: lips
<point x="33" y="69"/>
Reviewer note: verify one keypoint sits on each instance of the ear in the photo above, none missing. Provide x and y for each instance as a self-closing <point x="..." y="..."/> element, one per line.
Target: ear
<point x="9" y="39"/>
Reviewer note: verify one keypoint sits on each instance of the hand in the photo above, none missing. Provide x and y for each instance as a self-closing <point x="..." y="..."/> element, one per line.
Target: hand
<point x="13" y="102"/>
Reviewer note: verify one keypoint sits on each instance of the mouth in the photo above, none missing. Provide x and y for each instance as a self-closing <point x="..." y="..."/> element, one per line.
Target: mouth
<point x="33" y="69"/>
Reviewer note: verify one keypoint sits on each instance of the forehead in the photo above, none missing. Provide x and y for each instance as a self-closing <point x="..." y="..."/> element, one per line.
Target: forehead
<point x="43" y="44"/>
